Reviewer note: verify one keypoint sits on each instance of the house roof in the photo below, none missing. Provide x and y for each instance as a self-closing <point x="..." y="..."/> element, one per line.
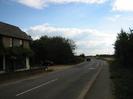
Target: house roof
<point x="13" y="31"/>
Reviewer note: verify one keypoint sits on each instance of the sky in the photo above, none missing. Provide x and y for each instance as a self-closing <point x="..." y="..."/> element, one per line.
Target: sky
<point x="92" y="24"/>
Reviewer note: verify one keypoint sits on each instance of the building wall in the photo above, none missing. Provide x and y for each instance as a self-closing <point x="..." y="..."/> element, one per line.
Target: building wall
<point x="26" y="44"/>
<point x="10" y="42"/>
<point x="7" y="41"/>
<point x="21" y="62"/>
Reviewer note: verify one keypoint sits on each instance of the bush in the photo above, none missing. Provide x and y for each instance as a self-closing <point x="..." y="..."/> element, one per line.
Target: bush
<point x="123" y="81"/>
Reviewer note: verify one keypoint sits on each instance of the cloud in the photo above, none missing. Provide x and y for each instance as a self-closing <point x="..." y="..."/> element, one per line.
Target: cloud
<point x="88" y="41"/>
<point x="75" y="1"/>
<point x="114" y="18"/>
<point x="40" y="4"/>
<point x="115" y="22"/>
<point x="123" y="5"/>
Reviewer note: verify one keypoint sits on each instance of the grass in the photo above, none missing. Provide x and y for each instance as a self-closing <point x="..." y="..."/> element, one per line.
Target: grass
<point x="122" y="80"/>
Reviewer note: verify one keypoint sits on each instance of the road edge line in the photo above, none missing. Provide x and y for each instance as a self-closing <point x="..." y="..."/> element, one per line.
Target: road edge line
<point x="90" y="84"/>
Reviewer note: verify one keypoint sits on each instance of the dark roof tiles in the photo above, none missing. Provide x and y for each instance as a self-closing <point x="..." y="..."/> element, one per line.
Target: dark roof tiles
<point x="13" y="31"/>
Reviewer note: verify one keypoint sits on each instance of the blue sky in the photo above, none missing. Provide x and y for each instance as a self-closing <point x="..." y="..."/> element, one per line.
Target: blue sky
<point x="92" y="24"/>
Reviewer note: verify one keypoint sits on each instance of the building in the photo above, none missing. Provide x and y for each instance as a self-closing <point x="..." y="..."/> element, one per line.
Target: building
<point x="14" y="48"/>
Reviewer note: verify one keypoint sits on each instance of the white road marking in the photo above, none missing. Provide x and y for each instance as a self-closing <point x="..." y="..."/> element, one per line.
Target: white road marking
<point x="37" y="87"/>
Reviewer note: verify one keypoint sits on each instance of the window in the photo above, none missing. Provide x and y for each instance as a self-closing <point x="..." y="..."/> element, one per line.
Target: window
<point x="25" y="44"/>
<point x="10" y="42"/>
<point x="21" y="42"/>
<point x="17" y="42"/>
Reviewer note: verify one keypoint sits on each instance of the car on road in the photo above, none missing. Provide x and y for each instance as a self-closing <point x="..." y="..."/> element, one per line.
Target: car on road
<point x="88" y="59"/>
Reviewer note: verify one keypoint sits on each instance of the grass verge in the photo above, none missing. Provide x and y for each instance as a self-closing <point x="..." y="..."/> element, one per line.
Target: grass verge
<point x="122" y="79"/>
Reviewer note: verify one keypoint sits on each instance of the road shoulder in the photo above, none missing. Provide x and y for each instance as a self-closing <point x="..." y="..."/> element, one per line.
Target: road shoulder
<point x="24" y="75"/>
<point x="101" y="89"/>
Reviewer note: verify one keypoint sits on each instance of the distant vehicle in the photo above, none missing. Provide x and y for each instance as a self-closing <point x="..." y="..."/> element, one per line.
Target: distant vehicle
<point x="88" y="59"/>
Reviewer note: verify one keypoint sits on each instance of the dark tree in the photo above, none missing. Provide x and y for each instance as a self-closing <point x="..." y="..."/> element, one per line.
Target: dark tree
<point x="56" y="49"/>
<point x="124" y="48"/>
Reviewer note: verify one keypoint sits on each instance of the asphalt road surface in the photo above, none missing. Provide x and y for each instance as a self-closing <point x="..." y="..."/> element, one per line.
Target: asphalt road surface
<point x="101" y="88"/>
<point x="66" y="84"/>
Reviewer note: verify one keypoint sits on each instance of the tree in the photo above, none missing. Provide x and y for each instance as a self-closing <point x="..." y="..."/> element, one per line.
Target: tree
<point x="121" y="47"/>
<point x="82" y="55"/>
<point x="56" y="49"/>
<point x="124" y="48"/>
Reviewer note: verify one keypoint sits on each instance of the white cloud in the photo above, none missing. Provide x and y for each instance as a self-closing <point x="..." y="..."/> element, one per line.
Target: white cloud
<point x="123" y="5"/>
<point x="115" y="22"/>
<point x="88" y="41"/>
<point x="39" y="4"/>
<point x="76" y="1"/>
<point x="114" y="18"/>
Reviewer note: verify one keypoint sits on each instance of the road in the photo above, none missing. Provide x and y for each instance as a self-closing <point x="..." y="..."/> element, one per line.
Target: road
<point x="101" y="88"/>
<point x="66" y="84"/>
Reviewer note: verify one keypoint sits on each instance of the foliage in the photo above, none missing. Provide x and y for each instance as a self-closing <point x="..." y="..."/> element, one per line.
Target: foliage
<point x="122" y="80"/>
<point x="56" y="49"/>
<point x="18" y="51"/>
<point x="121" y="68"/>
<point x="82" y="55"/>
<point x="124" y="48"/>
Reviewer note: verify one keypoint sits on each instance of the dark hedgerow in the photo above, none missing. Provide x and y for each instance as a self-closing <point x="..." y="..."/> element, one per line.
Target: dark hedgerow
<point x="123" y="81"/>
<point x="122" y="68"/>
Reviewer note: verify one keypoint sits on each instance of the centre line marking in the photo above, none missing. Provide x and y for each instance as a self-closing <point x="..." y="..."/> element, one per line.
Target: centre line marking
<point x="36" y="87"/>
